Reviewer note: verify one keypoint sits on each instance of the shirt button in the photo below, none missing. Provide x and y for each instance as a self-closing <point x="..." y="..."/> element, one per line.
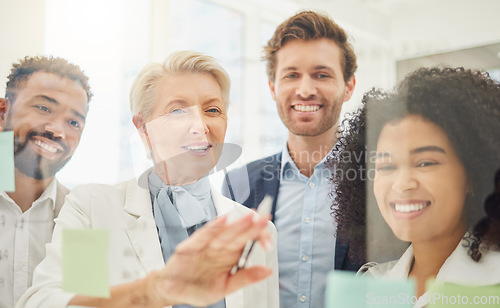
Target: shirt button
<point x="307" y="220"/>
<point x="305" y="258"/>
<point x="311" y="185"/>
<point x="302" y="298"/>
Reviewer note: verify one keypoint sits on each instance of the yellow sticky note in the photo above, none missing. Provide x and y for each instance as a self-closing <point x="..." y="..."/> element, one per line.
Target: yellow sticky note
<point x="85" y="262"/>
<point x="444" y="294"/>
<point x="344" y="289"/>
<point x="7" y="182"/>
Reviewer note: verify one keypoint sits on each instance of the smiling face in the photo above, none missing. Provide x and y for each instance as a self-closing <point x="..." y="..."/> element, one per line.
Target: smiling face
<point x="187" y="127"/>
<point x="309" y="88"/>
<point x="47" y="119"/>
<point x="420" y="182"/>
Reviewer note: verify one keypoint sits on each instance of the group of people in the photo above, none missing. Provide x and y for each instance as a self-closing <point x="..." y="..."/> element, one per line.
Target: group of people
<point x="433" y="142"/>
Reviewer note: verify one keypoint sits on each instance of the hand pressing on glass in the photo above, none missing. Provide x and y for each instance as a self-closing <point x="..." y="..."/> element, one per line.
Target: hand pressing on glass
<point x="199" y="271"/>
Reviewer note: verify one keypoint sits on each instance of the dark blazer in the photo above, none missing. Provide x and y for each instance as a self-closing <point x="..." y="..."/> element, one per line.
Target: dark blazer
<point x="264" y="179"/>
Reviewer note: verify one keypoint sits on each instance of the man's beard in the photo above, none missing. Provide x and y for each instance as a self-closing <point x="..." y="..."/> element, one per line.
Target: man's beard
<point x="331" y="114"/>
<point x="33" y="164"/>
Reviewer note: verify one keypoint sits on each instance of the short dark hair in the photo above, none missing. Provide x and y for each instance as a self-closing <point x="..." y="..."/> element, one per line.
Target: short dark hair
<point x="22" y="70"/>
<point x="309" y="25"/>
<point x="465" y="104"/>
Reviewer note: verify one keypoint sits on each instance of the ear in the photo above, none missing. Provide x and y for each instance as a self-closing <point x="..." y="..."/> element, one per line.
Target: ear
<point x="4" y="108"/>
<point x="349" y="88"/>
<point x="140" y="124"/>
<point x="272" y="88"/>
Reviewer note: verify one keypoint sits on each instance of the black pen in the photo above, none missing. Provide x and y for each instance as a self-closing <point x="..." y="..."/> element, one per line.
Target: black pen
<point x="264" y="209"/>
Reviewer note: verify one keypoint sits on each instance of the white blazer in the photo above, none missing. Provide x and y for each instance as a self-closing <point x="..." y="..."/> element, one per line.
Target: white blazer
<point x="134" y="249"/>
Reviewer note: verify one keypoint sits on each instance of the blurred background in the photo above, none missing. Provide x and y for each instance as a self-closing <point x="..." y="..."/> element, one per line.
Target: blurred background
<point x="113" y="39"/>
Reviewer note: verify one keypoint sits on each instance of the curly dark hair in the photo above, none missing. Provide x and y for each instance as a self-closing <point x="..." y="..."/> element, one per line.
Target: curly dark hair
<point x="464" y="103"/>
<point x="309" y="25"/>
<point x="21" y="71"/>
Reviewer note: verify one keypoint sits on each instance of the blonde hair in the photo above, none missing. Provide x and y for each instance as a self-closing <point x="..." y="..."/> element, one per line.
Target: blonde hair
<point x="187" y="61"/>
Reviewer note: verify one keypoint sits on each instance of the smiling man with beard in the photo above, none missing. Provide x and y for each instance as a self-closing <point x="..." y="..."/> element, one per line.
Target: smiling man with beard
<point x="310" y="67"/>
<point x="45" y="105"/>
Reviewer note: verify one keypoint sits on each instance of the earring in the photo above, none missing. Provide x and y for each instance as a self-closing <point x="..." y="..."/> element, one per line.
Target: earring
<point x="149" y="154"/>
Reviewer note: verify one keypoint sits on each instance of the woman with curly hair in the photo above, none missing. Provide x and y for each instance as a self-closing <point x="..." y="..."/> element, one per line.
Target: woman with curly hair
<point x="427" y="152"/>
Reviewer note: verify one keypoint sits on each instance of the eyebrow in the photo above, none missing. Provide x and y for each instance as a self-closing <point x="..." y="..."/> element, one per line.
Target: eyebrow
<point x="177" y="101"/>
<point x="430" y="148"/>
<point x="49" y="99"/>
<point x="290" y="68"/>
<point x="211" y="100"/>
<point x="317" y="67"/>
<point x="186" y="103"/>
<point x="55" y="102"/>
<point x="323" y="67"/>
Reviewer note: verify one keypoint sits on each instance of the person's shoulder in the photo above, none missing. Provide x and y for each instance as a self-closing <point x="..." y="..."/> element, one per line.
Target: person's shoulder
<point x="102" y="191"/>
<point x="259" y="165"/>
<point x="104" y="199"/>
<point x="268" y="160"/>
<point x="61" y="189"/>
<point x="240" y="183"/>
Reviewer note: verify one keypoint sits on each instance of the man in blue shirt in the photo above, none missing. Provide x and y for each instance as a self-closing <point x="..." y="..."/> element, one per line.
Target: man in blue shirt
<point x="310" y="66"/>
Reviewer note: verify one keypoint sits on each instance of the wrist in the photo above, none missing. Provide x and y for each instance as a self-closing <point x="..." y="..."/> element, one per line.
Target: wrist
<point x="156" y="289"/>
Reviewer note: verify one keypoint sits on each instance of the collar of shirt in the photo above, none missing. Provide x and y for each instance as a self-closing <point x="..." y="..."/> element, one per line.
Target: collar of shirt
<point x="199" y="190"/>
<point x="458" y="268"/>
<point x="49" y="194"/>
<point x="288" y="163"/>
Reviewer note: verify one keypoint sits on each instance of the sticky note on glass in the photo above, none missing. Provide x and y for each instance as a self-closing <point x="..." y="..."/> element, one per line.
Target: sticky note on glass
<point x="85" y="262"/>
<point x="443" y="294"/>
<point x="7" y="182"/>
<point x="343" y="289"/>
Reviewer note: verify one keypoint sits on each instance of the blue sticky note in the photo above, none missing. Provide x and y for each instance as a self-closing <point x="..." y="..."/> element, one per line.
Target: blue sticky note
<point x="85" y="262"/>
<point x="345" y="290"/>
<point x="7" y="182"/>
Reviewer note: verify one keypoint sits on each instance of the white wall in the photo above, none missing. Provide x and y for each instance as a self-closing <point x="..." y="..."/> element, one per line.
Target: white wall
<point x="445" y="25"/>
<point x="21" y="34"/>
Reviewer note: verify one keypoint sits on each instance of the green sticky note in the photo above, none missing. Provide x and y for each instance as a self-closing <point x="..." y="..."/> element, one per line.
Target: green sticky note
<point x="444" y="294"/>
<point x="7" y="182"/>
<point x="345" y="290"/>
<point x="85" y="262"/>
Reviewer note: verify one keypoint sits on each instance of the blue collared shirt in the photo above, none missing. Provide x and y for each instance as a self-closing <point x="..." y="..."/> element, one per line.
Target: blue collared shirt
<point x="306" y="234"/>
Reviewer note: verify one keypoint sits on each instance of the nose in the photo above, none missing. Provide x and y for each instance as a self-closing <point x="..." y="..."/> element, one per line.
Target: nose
<point x="306" y="87"/>
<point x="198" y="125"/>
<point x="404" y="181"/>
<point x="56" y="127"/>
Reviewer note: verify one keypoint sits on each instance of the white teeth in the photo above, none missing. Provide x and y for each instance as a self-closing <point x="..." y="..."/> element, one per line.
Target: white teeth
<point x="197" y="148"/>
<point x="45" y="146"/>
<point x="407" y="208"/>
<point x="306" y="108"/>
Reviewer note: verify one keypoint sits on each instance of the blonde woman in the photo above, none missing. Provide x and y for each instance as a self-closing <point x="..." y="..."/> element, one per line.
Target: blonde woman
<point x="180" y="111"/>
